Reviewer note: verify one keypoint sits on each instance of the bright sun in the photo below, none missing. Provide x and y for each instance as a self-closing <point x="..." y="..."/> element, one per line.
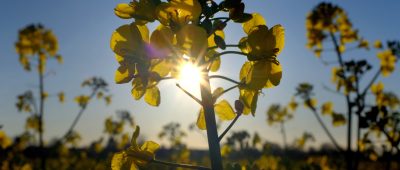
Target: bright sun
<point x="189" y="77"/>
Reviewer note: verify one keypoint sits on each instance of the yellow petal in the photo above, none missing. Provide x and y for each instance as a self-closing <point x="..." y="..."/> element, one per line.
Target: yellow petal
<point x="124" y="74"/>
<point x="256" y="20"/>
<point x="216" y="63"/>
<point x="217" y="93"/>
<point x="378" y="44"/>
<point x="152" y="96"/>
<point x="249" y="98"/>
<point x="124" y="11"/>
<point x="278" y="39"/>
<point x="224" y="110"/>
<point x="162" y="38"/>
<point x="211" y="42"/>
<point x="327" y="108"/>
<point x="275" y="75"/>
<point x="377" y="88"/>
<point x="244" y="45"/>
<point x="258" y="75"/>
<point x="138" y="90"/>
<point x="244" y="71"/>
<point x="127" y="40"/>
<point x="119" y="161"/>
<point x="201" y="120"/>
<point x="260" y="41"/>
<point x="161" y="66"/>
<point x="150" y="146"/>
<point x="192" y="40"/>
<point x="338" y="119"/>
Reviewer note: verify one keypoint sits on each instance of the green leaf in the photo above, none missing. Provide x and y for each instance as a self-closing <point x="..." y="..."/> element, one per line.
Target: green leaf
<point x="256" y="20"/>
<point x="138" y="90"/>
<point x="152" y="96"/>
<point x="224" y="110"/>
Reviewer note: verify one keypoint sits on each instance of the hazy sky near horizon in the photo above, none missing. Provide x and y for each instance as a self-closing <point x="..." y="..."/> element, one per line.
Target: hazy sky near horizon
<point x="84" y="28"/>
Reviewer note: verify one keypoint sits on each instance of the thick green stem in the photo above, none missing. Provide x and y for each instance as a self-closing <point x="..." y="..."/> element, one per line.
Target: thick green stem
<point x="212" y="133"/>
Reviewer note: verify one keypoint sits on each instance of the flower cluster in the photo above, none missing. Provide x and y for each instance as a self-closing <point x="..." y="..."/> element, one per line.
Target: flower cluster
<point x="135" y="156"/>
<point x="328" y="19"/>
<point x="189" y="33"/>
<point x="36" y="40"/>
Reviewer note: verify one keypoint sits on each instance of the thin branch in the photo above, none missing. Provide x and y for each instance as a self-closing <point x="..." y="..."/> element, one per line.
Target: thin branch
<point x="189" y="94"/>
<point x="229" y="52"/>
<point x="229" y="127"/>
<point x="324" y="127"/>
<point x="229" y="89"/>
<point x="179" y="165"/>
<point x="225" y="78"/>
<point x="225" y="91"/>
<point x="227" y="45"/>
<point x="331" y="90"/>
<point x="167" y="78"/>
<point x="371" y="82"/>
<point x="219" y="18"/>
<point x="283" y="134"/>
<point x="220" y="54"/>
<point x="78" y="116"/>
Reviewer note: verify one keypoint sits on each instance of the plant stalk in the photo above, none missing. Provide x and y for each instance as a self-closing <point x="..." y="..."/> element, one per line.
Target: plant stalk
<point x="209" y="114"/>
<point x="41" y="113"/>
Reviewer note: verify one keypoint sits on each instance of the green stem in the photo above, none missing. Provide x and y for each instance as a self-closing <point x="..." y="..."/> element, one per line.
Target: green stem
<point x="225" y="78"/>
<point x="212" y="134"/>
<point x="179" y="165"/>
<point x="78" y="116"/>
<point x="219" y="18"/>
<point x="371" y="82"/>
<point x="229" y="127"/>
<point x="227" y="45"/>
<point x="229" y="52"/>
<point x="325" y="128"/>
<point x="41" y="112"/>
<point x="189" y="94"/>
<point x="284" y="135"/>
<point x="349" y="106"/>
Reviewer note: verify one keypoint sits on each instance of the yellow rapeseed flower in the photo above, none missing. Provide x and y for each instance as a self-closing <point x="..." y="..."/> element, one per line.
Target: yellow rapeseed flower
<point x="5" y="141"/>
<point x="82" y="100"/>
<point x="134" y="156"/>
<point x="178" y="12"/>
<point x="378" y="44"/>
<point x="327" y="108"/>
<point x="388" y="61"/>
<point x="143" y="10"/>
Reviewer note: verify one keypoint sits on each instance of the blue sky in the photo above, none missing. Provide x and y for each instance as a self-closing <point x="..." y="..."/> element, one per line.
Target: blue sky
<point x="84" y="28"/>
